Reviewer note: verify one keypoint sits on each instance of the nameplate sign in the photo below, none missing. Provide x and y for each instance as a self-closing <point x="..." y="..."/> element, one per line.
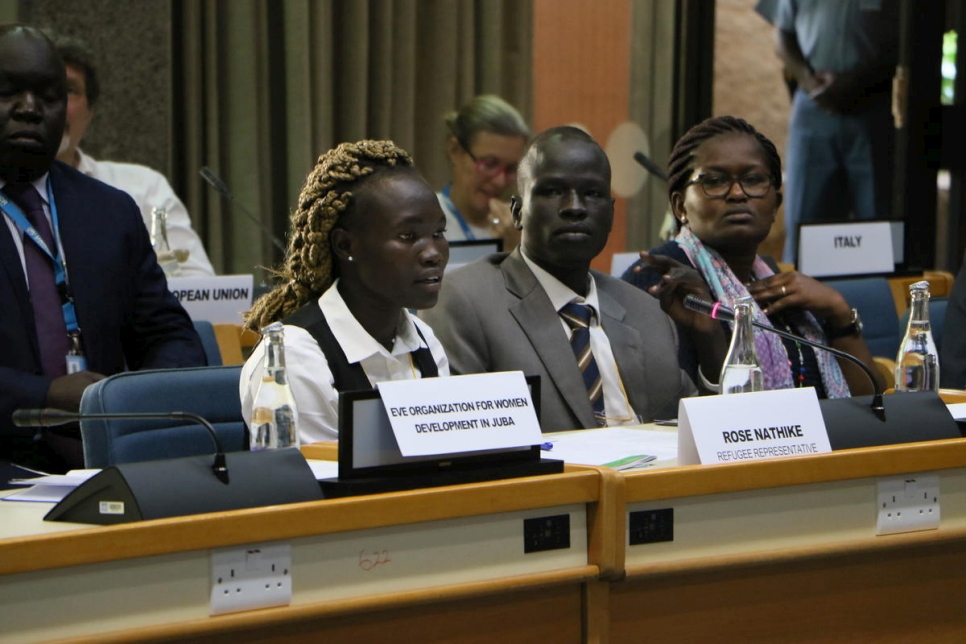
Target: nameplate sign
<point x="217" y="299"/>
<point x="750" y="427"/>
<point x="461" y="413"/>
<point x="854" y="248"/>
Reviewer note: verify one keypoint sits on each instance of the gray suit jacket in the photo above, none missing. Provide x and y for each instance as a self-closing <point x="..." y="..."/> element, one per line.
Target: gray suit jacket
<point x="493" y="315"/>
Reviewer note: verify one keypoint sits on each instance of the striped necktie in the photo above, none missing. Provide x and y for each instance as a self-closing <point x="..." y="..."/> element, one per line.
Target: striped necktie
<point x="44" y="296"/>
<point x="577" y="317"/>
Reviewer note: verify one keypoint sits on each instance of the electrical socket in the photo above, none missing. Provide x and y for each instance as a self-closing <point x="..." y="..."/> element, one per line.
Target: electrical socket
<point x="908" y="504"/>
<point x="256" y="576"/>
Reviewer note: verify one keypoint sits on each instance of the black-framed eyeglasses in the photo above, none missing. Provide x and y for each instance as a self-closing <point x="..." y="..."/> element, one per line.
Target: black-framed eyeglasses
<point x="718" y="184"/>
<point x="490" y="167"/>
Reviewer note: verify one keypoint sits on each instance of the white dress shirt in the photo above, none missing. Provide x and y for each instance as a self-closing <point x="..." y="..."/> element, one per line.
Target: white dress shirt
<point x="150" y="189"/>
<point x="617" y="408"/>
<point x="454" y="227"/>
<point x="308" y="370"/>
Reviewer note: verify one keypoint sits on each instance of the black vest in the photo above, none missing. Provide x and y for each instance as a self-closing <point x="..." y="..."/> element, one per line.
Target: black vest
<point x="349" y="377"/>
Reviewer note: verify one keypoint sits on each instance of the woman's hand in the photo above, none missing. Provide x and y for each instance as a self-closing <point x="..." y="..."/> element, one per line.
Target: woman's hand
<point x="793" y="290"/>
<point x="678" y="281"/>
<point x="501" y="224"/>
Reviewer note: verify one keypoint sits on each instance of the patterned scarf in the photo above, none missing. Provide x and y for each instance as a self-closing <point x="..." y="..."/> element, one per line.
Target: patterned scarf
<point x="726" y="288"/>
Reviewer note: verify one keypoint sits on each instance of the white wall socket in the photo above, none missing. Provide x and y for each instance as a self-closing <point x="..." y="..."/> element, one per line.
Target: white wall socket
<point x="908" y="504"/>
<point x="250" y="577"/>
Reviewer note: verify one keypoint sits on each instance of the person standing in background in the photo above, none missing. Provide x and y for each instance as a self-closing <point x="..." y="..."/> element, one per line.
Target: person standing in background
<point x="147" y="187"/>
<point x="839" y="161"/>
<point x="485" y="142"/>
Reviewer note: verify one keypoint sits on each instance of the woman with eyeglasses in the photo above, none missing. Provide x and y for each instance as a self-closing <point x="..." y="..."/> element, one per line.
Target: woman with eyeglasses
<point x="485" y="142"/>
<point x="725" y="188"/>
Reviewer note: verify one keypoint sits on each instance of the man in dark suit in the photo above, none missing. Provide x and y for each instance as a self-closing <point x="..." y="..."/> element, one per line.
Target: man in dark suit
<point x="81" y="293"/>
<point x="605" y="354"/>
<point x="952" y="348"/>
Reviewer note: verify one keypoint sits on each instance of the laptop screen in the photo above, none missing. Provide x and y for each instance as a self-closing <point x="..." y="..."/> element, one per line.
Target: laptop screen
<point x="466" y="251"/>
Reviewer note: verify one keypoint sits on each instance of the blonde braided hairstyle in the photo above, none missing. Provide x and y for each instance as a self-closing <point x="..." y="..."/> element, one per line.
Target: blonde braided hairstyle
<point x="309" y="267"/>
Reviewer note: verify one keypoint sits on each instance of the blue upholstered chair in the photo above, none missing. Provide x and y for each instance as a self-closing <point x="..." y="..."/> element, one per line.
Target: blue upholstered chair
<point x="937" y="315"/>
<point x="211" y="392"/>
<point x="209" y="340"/>
<point x="872" y="297"/>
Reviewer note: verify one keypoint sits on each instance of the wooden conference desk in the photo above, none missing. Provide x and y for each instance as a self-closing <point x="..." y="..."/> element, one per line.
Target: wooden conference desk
<point x="786" y="551"/>
<point x="452" y="568"/>
<point x="781" y="550"/>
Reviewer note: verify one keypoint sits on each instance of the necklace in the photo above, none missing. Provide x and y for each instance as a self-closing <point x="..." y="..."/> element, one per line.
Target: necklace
<point x="799" y="377"/>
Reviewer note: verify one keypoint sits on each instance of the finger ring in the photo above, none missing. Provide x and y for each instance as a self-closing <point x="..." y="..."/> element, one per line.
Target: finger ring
<point x="784" y="291"/>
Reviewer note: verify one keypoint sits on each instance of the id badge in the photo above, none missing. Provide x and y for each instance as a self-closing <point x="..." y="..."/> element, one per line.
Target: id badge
<point x="76" y="364"/>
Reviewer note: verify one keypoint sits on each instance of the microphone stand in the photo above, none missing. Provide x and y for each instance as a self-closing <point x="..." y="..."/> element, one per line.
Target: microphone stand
<point x="55" y="417"/>
<point x="717" y="311"/>
<point x="181" y="485"/>
<point x="650" y="166"/>
<point x="221" y="188"/>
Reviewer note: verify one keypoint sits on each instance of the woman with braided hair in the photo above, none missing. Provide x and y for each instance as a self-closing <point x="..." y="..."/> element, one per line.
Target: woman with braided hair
<point x="724" y="186"/>
<point x="367" y="244"/>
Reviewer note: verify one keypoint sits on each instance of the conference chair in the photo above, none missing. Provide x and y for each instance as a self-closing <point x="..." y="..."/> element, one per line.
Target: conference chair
<point x="940" y="285"/>
<point x="872" y="297"/>
<point x="206" y="331"/>
<point x="937" y="315"/>
<point x="211" y="392"/>
<point x="235" y="342"/>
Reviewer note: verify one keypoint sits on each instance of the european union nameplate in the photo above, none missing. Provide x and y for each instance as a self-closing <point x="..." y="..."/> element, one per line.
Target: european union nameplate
<point x="217" y="299"/>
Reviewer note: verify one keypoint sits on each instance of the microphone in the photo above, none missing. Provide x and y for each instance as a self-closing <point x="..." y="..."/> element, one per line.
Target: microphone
<point x="48" y="417"/>
<point x="718" y="311"/>
<point x="179" y="486"/>
<point x="221" y="188"/>
<point x="650" y="166"/>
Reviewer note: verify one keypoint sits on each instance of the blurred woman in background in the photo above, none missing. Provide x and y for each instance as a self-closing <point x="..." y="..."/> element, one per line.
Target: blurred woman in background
<point x="485" y="142"/>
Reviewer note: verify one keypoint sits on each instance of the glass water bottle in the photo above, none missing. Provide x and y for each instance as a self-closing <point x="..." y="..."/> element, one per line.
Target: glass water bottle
<point x="159" y="241"/>
<point x="741" y="372"/>
<point x="274" y="416"/>
<point x="917" y="363"/>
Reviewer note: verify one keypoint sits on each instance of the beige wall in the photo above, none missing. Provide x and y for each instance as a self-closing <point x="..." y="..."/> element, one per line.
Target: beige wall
<point x="132" y="51"/>
<point x="748" y="80"/>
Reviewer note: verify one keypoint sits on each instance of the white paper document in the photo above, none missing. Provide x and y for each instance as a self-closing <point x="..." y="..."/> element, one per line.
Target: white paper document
<point x="617" y="447"/>
<point x="49" y="489"/>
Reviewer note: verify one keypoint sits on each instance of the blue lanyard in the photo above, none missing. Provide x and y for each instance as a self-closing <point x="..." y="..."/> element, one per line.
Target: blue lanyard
<point x="13" y="211"/>
<point x="459" y="217"/>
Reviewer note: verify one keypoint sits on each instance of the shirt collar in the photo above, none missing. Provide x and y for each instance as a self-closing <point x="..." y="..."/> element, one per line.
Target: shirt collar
<point x="85" y="164"/>
<point x="560" y="295"/>
<point x="40" y="184"/>
<point x="354" y="339"/>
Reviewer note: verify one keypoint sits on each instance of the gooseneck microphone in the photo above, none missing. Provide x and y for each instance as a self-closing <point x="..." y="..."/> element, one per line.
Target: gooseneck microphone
<point x="650" y="166"/>
<point x="718" y="311"/>
<point x="175" y="486"/>
<point x="54" y="417"/>
<point x="221" y="188"/>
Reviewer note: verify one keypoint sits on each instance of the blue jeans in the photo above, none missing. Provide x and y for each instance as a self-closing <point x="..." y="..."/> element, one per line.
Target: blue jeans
<point x="837" y="165"/>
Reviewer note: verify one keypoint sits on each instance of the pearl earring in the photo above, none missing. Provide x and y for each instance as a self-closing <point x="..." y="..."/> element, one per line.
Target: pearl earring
<point x="351" y="259"/>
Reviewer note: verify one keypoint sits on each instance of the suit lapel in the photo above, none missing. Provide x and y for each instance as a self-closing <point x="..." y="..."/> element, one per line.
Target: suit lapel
<point x="627" y="346"/>
<point x="539" y="321"/>
<point x="12" y="269"/>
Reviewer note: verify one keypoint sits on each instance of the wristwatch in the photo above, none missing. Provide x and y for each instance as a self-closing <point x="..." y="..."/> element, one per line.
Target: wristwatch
<point x="852" y="328"/>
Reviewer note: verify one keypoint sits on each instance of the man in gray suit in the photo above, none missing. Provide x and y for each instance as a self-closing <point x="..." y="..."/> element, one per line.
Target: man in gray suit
<point x="606" y="353"/>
